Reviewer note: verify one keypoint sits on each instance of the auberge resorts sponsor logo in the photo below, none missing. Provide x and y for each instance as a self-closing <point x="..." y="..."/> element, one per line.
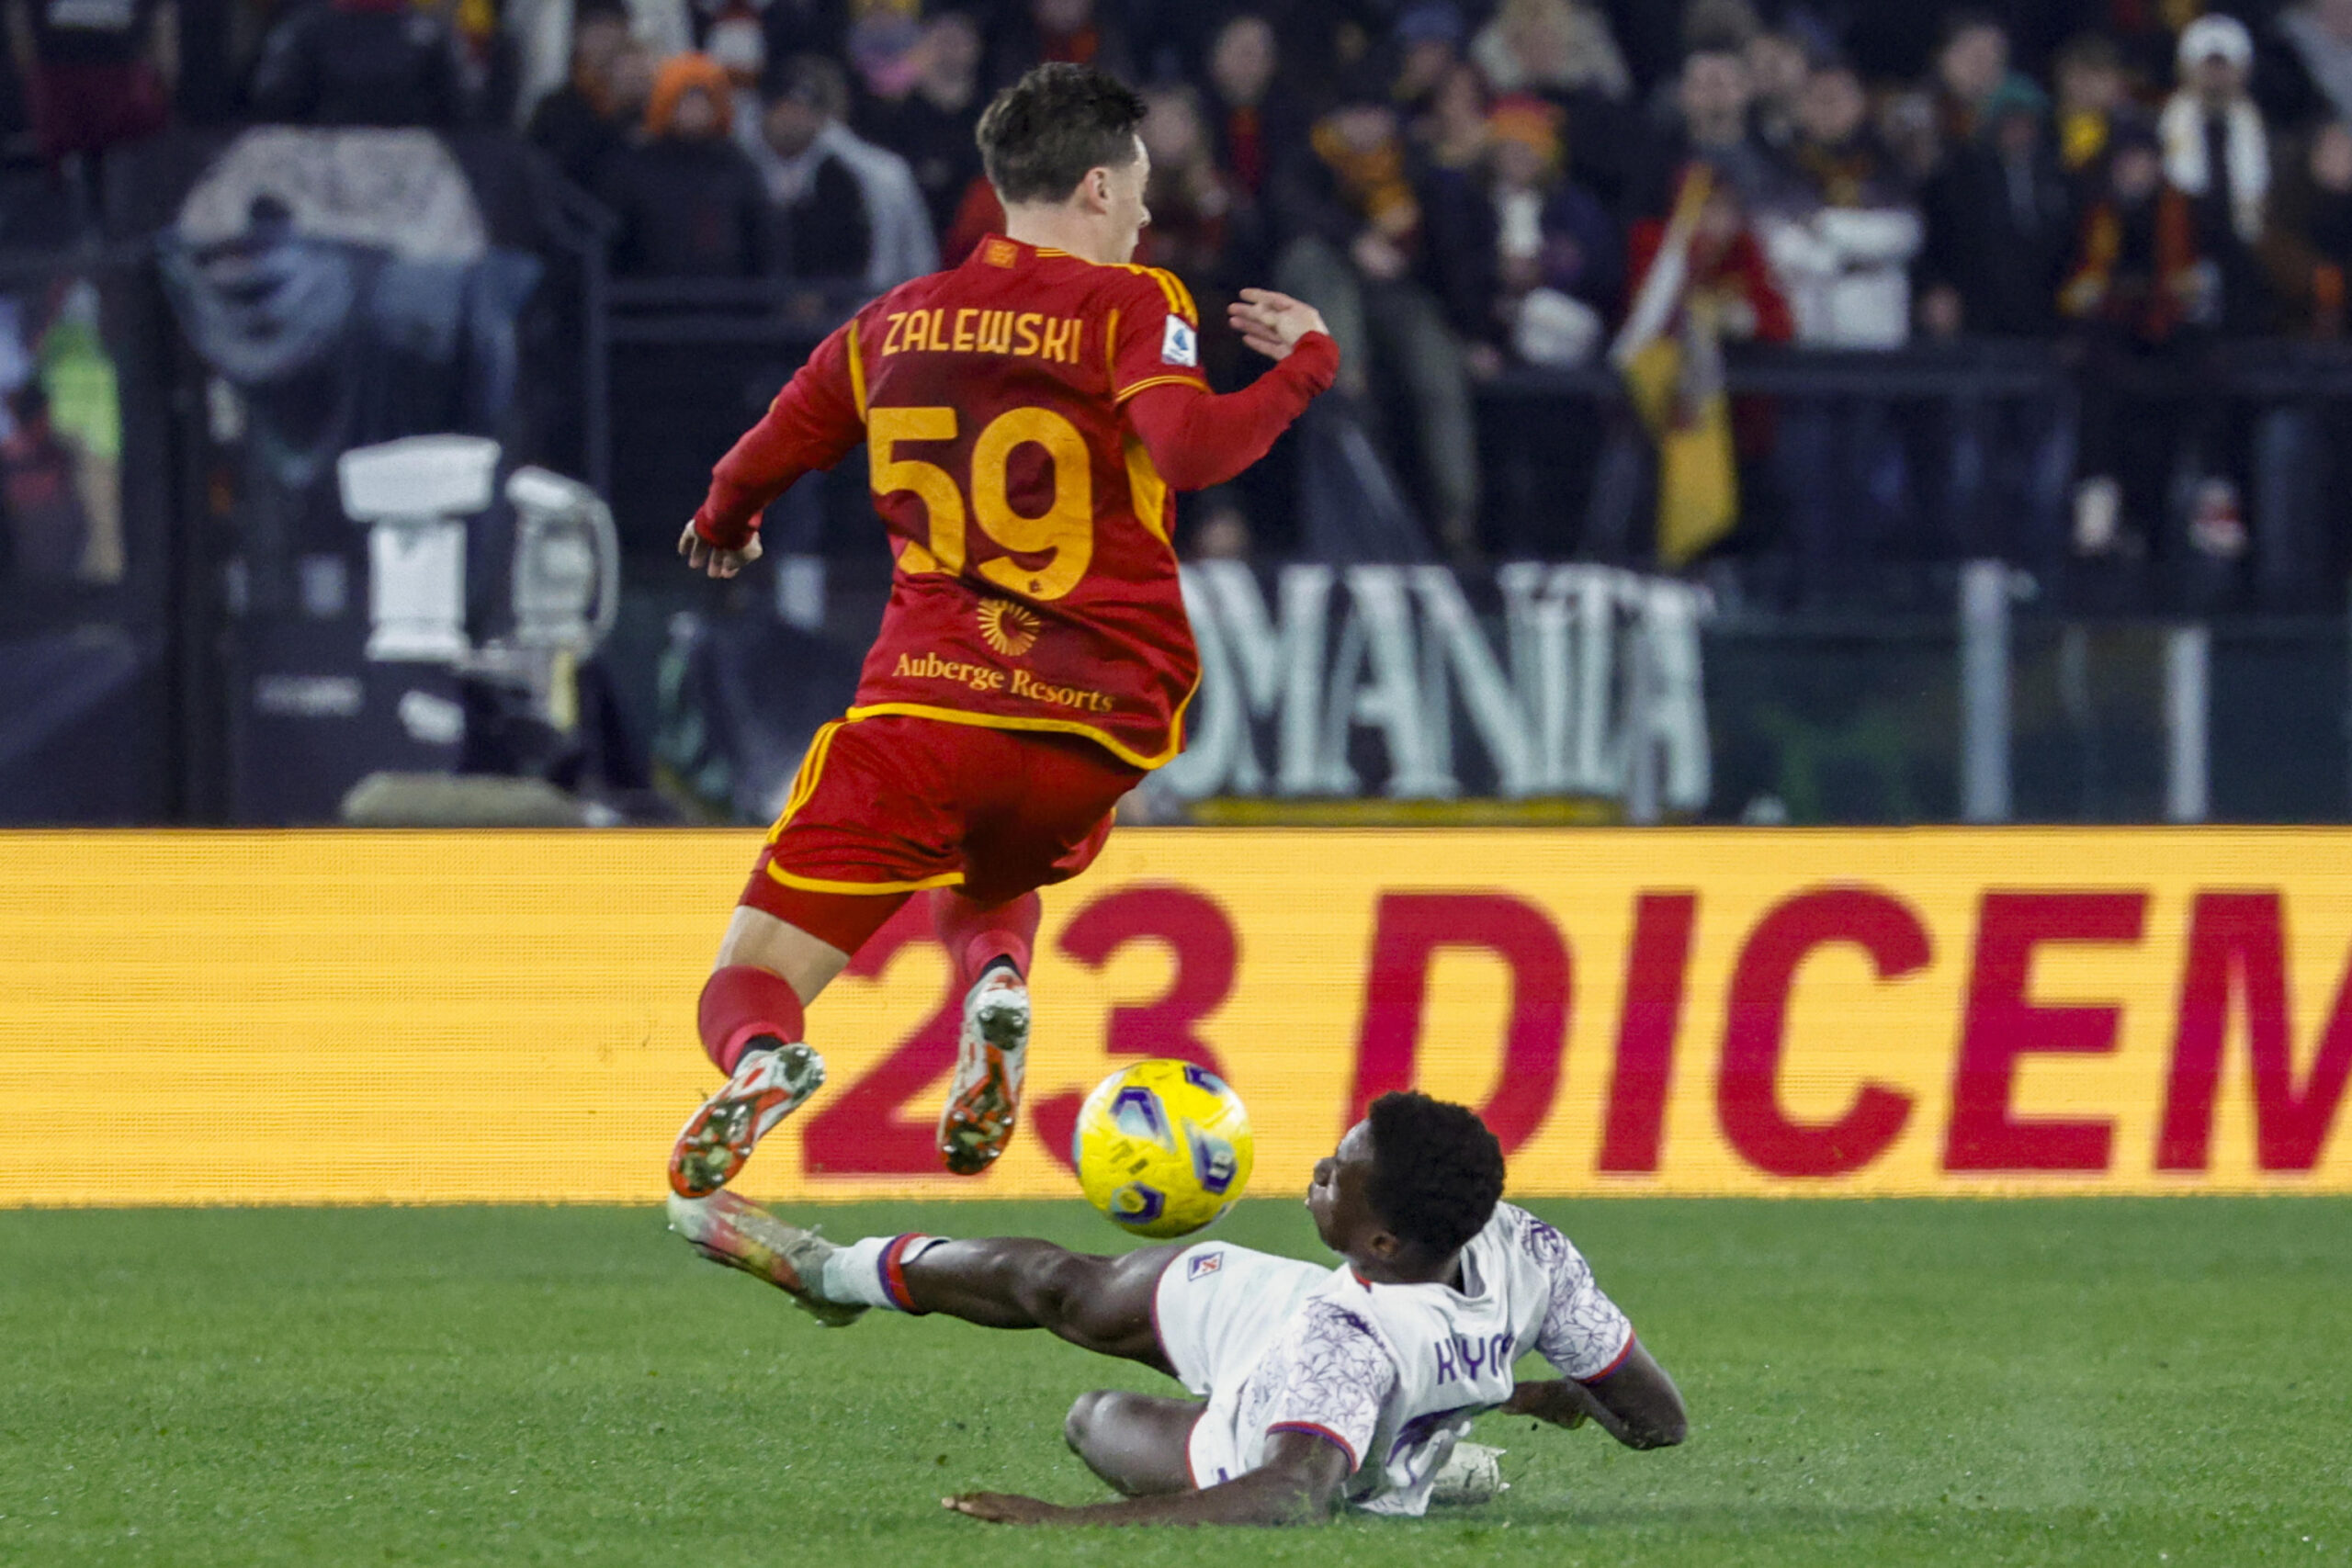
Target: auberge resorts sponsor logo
<point x="985" y="678"/>
<point x="1027" y="685"/>
<point x="1010" y="628"/>
<point x="930" y="667"/>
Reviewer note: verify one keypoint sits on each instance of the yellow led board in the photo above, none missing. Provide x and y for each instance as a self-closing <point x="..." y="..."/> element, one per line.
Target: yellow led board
<point x="358" y="1017"/>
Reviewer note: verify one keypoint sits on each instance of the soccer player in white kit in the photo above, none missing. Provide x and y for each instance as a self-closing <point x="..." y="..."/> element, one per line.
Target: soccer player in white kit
<point x="1314" y="1387"/>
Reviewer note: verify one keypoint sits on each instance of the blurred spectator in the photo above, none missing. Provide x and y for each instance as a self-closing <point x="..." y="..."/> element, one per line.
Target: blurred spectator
<point x="884" y="47"/>
<point x="1842" y="230"/>
<point x="1698" y="279"/>
<point x="586" y="118"/>
<point x="1972" y="66"/>
<point x="2092" y="90"/>
<point x="1841" y="233"/>
<point x="747" y="36"/>
<point x="932" y="125"/>
<point x="544" y="28"/>
<point x="2308" y="253"/>
<point x="46" y="530"/>
<point x="94" y="76"/>
<point x="690" y="203"/>
<point x="1566" y="50"/>
<point x="489" y="60"/>
<point x="1204" y="226"/>
<point x="1907" y="125"/>
<point x="1727" y="276"/>
<point x="2307" y="250"/>
<point x="1778" y="65"/>
<point x="1429" y="41"/>
<point x="1357" y="254"/>
<point x="1559" y="263"/>
<point x="2000" y="227"/>
<point x="1076" y="30"/>
<point x="1556" y="46"/>
<point x="2136" y="281"/>
<point x="2309" y="76"/>
<point x="731" y="32"/>
<point x="901" y="242"/>
<point x="1252" y="128"/>
<point x="1712" y="102"/>
<point x="824" y="231"/>
<point x="1456" y="259"/>
<point x="1451" y="133"/>
<point x="359" y="62"/>
<point x="2217" y="153"/>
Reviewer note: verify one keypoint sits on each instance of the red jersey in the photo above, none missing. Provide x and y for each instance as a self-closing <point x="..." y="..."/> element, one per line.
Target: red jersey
<point x="1036" y="584"/>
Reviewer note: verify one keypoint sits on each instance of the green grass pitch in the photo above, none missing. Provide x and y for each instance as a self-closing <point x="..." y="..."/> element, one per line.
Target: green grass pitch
<point x="2104" y="1380"/>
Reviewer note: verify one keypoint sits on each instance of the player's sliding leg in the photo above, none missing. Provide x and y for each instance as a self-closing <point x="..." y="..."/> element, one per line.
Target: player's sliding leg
<point x="989" y="945"/>
<point x="1102" y="1304"/>
<point x="740" y="1233"/>
<point x="750" y="1020"/>
<point x="1137" y="1442"/>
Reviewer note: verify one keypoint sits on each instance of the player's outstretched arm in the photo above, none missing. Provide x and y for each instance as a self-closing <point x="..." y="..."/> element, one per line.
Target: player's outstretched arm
<point x="1637" y="1403"/>
<point x="1298" y="1485"/>
<point x="1197" y="438"/>
<point x="813" y="423"/>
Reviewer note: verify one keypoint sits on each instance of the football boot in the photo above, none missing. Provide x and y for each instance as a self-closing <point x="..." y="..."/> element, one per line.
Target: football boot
<point x="991" y="1054"/>
<point x="739" y="1233"/>
<point x="765" y="1088"/>
<point x="1472" y="1474"/>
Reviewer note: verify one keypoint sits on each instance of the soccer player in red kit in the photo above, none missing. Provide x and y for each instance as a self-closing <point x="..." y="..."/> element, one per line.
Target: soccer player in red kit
<point x="1028" y="416"/>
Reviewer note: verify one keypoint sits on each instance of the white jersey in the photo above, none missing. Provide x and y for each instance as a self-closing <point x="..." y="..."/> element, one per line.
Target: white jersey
<point x="1391" y="1374"/>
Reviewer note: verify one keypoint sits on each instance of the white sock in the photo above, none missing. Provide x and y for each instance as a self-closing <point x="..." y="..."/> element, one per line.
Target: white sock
<point x="853" y="1274"/>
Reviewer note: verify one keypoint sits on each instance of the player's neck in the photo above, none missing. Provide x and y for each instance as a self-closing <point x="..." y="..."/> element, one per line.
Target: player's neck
<point x="1417" y="1272"/>
<point x="1059" y="227"/>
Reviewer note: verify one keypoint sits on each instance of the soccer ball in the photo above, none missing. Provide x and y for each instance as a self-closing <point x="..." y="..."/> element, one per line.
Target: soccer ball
<point x="1162" y="1149"/>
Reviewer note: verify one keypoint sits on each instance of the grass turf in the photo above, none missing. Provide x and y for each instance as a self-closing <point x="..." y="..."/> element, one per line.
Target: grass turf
<point x="2104" y="1380"/>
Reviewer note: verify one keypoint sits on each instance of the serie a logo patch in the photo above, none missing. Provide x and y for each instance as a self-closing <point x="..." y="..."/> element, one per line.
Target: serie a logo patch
<point x="1204" y="1263"/>
<point x="1180" y="344"/>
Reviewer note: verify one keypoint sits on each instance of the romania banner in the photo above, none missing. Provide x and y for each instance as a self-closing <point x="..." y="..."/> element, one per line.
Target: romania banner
<point x="347" y="1017"/>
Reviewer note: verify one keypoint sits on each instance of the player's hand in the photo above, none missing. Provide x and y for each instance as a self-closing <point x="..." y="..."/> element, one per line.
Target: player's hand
<point x="1554" y="1400"/>
<point x="1272" y="323"/>
<point x="1004" y="1508"/>
<point x="702" y="555"/>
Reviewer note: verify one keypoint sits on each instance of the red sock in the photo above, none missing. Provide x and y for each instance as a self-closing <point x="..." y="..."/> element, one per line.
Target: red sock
<point x="742" y="1003"/>
<point x="977" y="935"/>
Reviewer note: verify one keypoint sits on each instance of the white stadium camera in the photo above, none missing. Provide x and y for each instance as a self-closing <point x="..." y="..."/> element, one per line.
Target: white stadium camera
<point x="414" y="497"/>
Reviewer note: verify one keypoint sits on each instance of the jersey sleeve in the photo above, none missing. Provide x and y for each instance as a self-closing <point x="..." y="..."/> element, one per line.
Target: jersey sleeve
<point x="1336" y="1377"/>
<point x="1583" y="1335"/>
<point x="813" y="423"/>
<point x="1197" y="438"/>
<point x="1155" y="335"/>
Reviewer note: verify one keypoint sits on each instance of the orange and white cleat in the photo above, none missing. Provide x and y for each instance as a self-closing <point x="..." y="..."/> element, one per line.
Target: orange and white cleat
<point x="740" y="1233"/>
<point x="767" y="1086"/>
<point x="991" y="1055"/>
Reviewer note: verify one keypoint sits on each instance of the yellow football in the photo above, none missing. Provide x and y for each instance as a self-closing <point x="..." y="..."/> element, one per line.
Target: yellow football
<point x="1162" y="1149"/>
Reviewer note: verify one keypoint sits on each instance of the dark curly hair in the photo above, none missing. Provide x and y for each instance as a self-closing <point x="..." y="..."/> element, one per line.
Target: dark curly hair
<point x="1437" y="1172"/>
<point x="1043" y="134"/>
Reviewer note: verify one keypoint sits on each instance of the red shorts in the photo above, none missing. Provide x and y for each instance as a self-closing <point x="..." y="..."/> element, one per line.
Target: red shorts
<point x="887" y="806"/>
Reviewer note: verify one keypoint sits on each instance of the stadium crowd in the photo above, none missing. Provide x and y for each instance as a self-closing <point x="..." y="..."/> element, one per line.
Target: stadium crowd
<point x="1464" y="186"/>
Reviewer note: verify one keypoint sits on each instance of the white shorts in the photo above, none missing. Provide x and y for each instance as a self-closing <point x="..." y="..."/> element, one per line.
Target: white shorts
<point x="1218" y="1306"/>
<point x="1218" y="1309"/>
